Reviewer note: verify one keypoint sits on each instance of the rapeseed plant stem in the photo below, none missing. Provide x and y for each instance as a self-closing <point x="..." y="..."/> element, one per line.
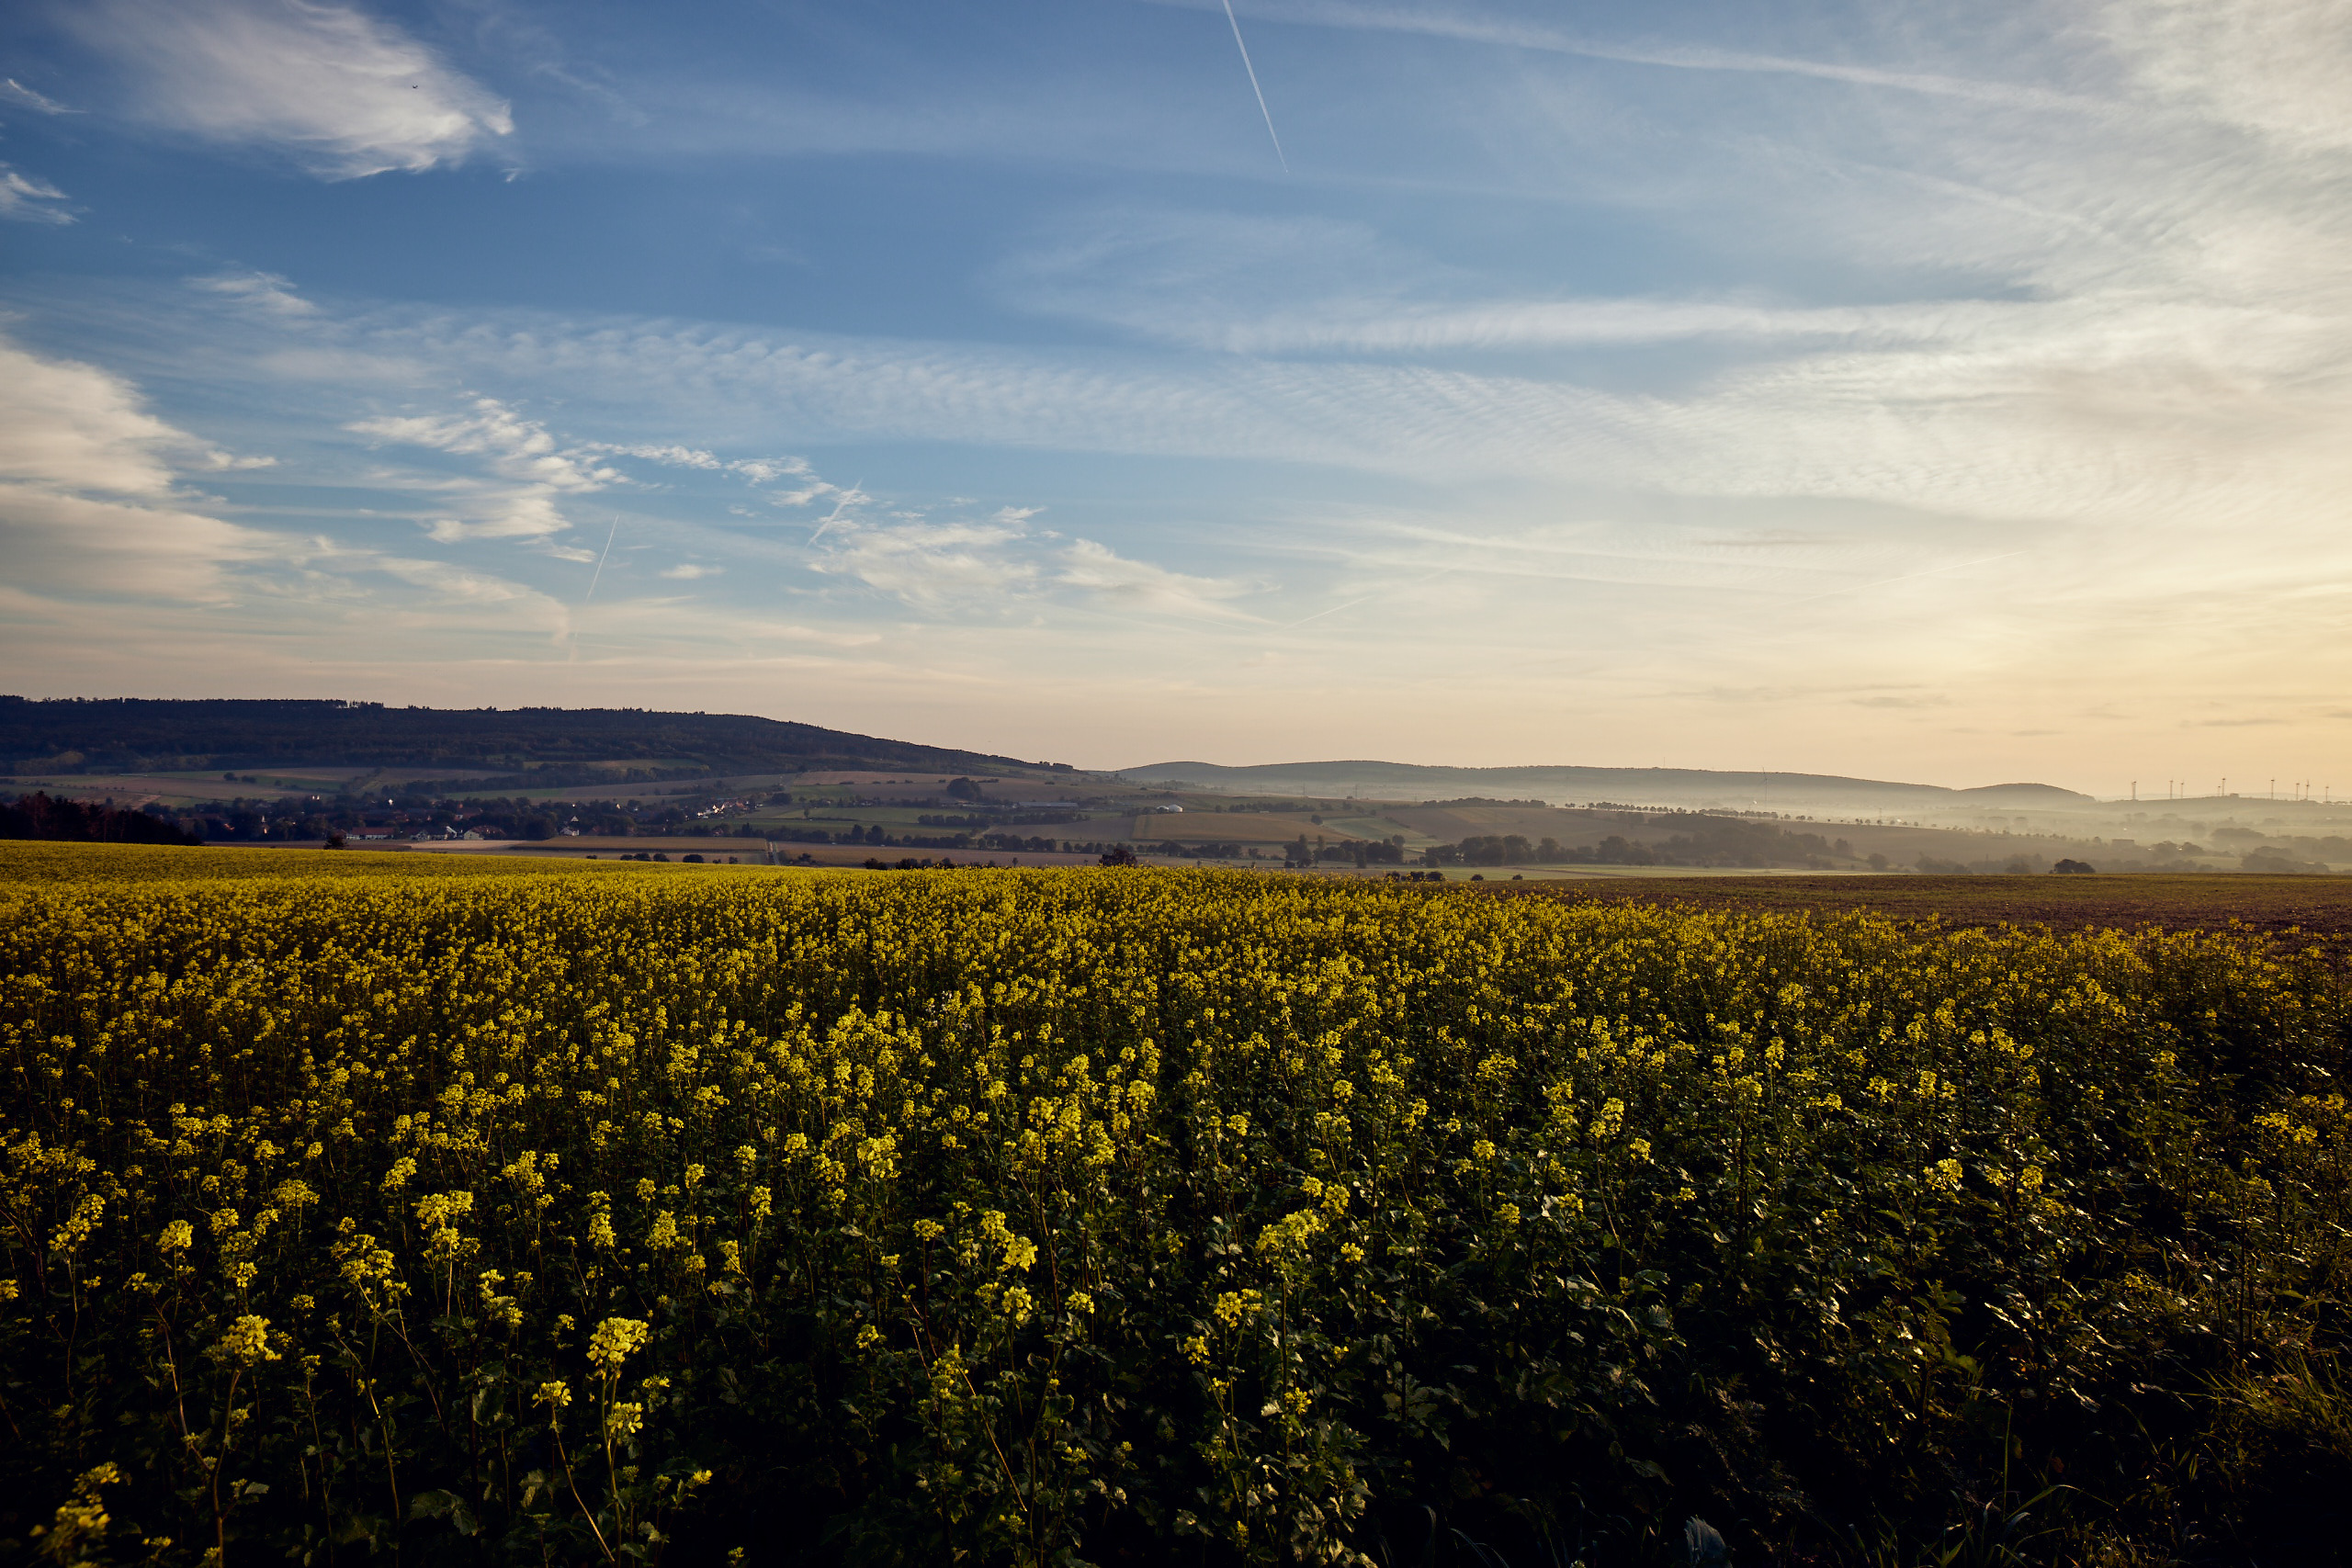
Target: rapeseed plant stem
<point x="1332" y="1200"/>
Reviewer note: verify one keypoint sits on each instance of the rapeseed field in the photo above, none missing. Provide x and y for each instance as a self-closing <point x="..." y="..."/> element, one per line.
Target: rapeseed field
<point x="432" y="1215"/>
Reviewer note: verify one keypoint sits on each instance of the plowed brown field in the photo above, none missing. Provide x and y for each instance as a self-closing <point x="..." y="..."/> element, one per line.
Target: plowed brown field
<point x="2312" y="907"/>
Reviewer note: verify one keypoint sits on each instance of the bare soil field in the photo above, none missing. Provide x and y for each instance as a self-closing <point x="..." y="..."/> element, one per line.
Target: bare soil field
<point x="1450" y="824"/>
<point x="2316" y="909"/>
<point x="1235" y="827"/>
<point x="744" y="851"/>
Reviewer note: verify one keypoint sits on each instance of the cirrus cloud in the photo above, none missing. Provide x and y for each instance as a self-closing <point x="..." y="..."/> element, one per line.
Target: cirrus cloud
<point x="29" y="200"/>
<point x="517" y="449"/>
<point x="342" y="94"/>
<point x="90" y="501"/>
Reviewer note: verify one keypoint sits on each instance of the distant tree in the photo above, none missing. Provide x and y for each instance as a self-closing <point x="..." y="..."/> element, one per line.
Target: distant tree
<point x="965" y="789"/>
<point x="2073" y="868"/>
<point x="1119" y="854"/>
<point x="42" y="815"/>
<point x="1508" y="849"/>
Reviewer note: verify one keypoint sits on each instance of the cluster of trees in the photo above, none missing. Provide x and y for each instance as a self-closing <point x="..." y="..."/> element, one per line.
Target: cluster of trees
<point x="687" y="860"/>
<point x="2016" y="865"/>
<point x="138" y="733"/>
<point x="1199" y="851"/>
<point x="238" y="822"/>
<point x="1003" y="818"/>
<point x="556" y="777"/>
<point x="2278" y="862"/>
<point x="1350" y="852"/>
<point x="1506" y="848"/>
<point x="43" y="816"/>
<point x="1034" y="845"/>
<point x="244" y="820"/>
<point x="521" y="818"/>
<point x="2333" y="847"/>
<point x="880" y="835"/>
<point x="1704" y="840"/>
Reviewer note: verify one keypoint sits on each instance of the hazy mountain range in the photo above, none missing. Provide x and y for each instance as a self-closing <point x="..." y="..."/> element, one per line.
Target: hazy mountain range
<point x="132" y="733"/>
<point x="1637" y="787"/>
<point x="138" y="734"/>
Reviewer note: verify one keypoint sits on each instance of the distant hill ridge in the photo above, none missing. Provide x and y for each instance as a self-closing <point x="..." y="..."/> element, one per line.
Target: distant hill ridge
<point x="1642" y="786"/>
<point x="132" y="733"/>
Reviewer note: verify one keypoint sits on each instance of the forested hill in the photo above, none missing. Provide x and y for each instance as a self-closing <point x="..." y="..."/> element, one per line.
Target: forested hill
<point x="79" y="735"/>
<point x="1670" y="786"/>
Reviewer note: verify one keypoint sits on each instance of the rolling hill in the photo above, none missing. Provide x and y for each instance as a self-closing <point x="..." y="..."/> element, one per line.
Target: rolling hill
<point x="77" y="735"/>
<point x="1691" y="787"/>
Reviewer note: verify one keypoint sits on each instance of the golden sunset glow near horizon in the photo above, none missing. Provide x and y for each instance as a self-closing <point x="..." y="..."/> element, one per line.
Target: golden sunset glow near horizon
<point x="1957" y="394"/>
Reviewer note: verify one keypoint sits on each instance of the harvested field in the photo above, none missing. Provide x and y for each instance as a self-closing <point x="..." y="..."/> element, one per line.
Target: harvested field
<point x="1235" y="827"/>
<point x="2317" y="906"/>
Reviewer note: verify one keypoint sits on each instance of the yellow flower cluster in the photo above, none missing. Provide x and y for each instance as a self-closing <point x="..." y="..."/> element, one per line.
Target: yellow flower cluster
<point x="985" y="1165"/>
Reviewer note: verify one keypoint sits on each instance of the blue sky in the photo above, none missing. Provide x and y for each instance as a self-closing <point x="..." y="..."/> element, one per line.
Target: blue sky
<point x="1945" y="392"/>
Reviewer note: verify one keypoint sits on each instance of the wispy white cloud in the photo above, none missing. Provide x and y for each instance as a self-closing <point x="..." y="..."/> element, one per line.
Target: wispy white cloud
<point x="14" y="92"/>
<point x="931" y="564"/>
<point x="2274" y="67"/>
<point x="73" y="426"/>
<point x="2046" y="413"/>
<point x="1002" y="563"/>
<point x="266" y="292"/>
<point x="89" y="498"/>
<point x="1101" y="572"/>
<point x="674" y="456"/>
<point x="515" y="448"/>
<point x="767" y="470"/>
<point x="2005" y="369"/>
<point x="1468" y="27"/>
<point x="452" y="583"/>
<point x="344" y="94"/>
<point x="518" y="447"/>
<point x="1391" y="327"/>
<point x="757" y="470"/>
<point x="120" y="550"/>
<point x="27" y="200"/>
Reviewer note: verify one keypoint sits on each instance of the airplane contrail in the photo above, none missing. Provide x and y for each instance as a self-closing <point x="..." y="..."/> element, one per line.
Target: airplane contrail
<point x="598" y="575"/>
<point x="836" y="512"/>
<point x="1334" y="610"/>
<point x="1252" y="70"/>
<point x="1352" y="604"/>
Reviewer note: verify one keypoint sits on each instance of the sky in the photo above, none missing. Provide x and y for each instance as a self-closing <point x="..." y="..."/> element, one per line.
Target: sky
<point x="1959" y="393"/>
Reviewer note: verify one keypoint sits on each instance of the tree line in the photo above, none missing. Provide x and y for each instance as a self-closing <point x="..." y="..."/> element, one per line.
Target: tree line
<point x="43" y="816"/>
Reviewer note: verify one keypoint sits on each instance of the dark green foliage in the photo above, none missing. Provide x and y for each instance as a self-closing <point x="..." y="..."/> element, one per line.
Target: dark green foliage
<point x="67" y="735"/>
<point x="1148" y="1217"/>
<point x="40" y="816"/>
